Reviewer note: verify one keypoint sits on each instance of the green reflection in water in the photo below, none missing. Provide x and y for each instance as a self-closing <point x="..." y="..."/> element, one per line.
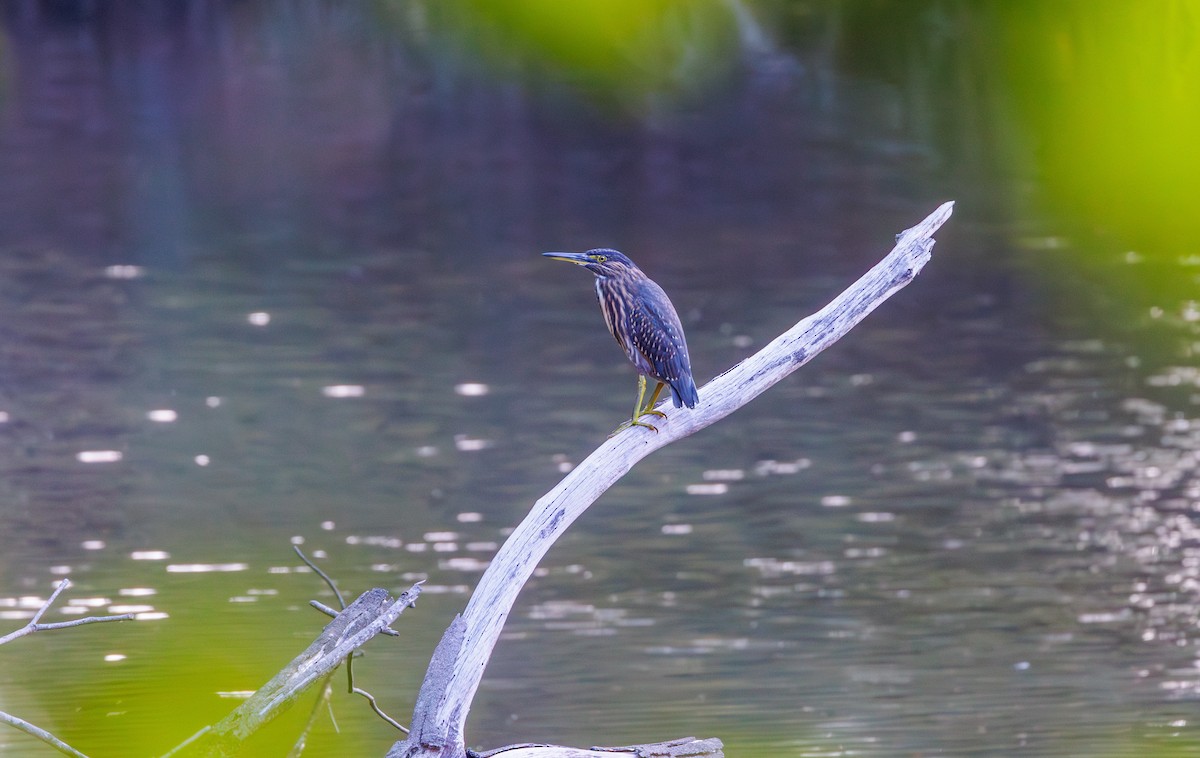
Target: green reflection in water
<point x="139" y="688"/>
<point x="633" y="54"/>
<point x="1112" y="94"/>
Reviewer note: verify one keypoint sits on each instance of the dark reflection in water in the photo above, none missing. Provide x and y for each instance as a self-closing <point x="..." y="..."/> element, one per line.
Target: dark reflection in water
<point x="269" y="273"/>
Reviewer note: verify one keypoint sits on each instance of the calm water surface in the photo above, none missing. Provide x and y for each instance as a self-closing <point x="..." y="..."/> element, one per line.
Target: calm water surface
<point x="269" y="275"/>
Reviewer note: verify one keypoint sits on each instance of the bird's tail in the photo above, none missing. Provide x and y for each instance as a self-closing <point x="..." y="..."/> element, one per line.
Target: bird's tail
<point x="684" y="392"/>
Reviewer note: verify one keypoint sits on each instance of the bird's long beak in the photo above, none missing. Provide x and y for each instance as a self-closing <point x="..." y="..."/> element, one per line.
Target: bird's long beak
<point x="579" y="259"/>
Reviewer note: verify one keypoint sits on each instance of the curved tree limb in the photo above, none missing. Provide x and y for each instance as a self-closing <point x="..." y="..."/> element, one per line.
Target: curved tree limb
<point x="457" y="666"/>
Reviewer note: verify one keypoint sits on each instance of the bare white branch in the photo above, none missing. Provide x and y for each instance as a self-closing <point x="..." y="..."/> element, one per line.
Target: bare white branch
<point x="458" y="663"/>
<point x="39" y="733"/>
<point x="35" y="624"/>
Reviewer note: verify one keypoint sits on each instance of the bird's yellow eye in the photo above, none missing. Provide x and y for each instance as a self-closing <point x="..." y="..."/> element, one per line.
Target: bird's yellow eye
<point x="600" y="258"/>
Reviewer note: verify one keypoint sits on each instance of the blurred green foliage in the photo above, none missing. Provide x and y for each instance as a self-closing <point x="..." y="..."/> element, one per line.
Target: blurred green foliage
<point x="1111" y="94"/>
<point x="631" y="55"/>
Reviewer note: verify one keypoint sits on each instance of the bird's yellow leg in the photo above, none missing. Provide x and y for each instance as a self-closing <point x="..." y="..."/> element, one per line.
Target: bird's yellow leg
<point x="648" y="408"/>
<point x="640" y="410"/>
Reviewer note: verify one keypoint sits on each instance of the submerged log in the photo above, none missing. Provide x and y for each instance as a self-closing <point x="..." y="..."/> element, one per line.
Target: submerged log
<point x="371" y="614"/>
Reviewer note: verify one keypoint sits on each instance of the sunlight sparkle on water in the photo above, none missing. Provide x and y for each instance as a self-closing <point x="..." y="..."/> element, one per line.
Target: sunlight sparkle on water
<point x="777" y="468"/>
<point x="463" y="564"/>
<point x="99" y="456"/>
<point x="15" y="615"/>
<point x="375" y="539"/>
<point x="472" y="389"/>
<point x="344" y="390"/>
<point x="149" y="555"/>
<point x="91" y="602"/>
<point x="204" y="568"/>
<point x="445" y="589"/>
<point x="470" y="444"/>
<point x="162" y="415"/>
<point x="773" y="567"/>
<point x="124" y="271"/>
<point x="723" y="475"/>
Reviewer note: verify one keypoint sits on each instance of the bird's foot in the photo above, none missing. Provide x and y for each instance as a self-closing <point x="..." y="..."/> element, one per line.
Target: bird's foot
<point x="635" y="422"/>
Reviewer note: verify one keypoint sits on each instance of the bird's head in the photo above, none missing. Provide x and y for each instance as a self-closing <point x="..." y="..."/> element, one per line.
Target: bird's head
<point x="601" y="262"/>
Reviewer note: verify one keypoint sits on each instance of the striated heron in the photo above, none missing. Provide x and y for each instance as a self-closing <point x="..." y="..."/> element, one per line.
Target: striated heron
<point x="640" y="316"/>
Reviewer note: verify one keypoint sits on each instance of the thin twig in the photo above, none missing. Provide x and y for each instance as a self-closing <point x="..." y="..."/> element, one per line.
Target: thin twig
<point x="350" y="686"/>
<point x="378" y="711"/>
<point x="58" y="590"/>
<point x="82" y="621"/>
<point x="323" y="699"/>
<point x="355" y="690"/>
<point x="34" y="624"/>
<point x="329" y="581"/>
<point x="322" y="574"/>
<point x="175" y="750"/>
<point x="331" y="612"/>
<point x="41" y="734"/>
